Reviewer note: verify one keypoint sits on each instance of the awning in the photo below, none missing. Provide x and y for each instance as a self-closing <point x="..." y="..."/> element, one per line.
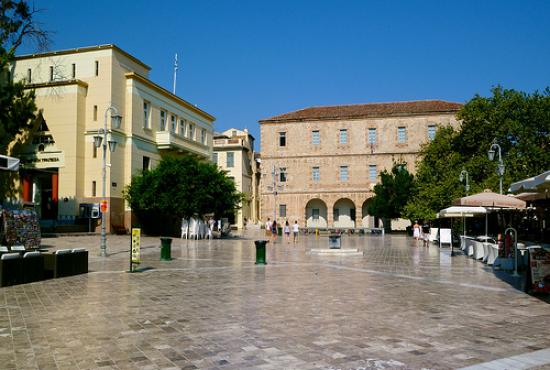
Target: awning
<point x="461" y="211"/>
<point x="536" y="183"/>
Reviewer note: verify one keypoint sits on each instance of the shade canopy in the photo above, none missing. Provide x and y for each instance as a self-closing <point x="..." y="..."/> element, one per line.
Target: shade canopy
<point x="535" y="183"/>
<point x="490" y="199"/>
<point x="460" y="211"/>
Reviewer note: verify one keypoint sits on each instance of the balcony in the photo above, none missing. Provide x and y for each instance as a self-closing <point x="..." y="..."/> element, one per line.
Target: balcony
<point x="231" y="143"/>
<point x="170" y="141"/>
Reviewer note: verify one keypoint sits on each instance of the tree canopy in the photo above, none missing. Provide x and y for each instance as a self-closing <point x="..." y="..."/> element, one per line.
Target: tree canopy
<point x="180" y="188"/>
<point x="518" y="122"/>
<point x="17" y="106"/>
<point x="392" y="193"/>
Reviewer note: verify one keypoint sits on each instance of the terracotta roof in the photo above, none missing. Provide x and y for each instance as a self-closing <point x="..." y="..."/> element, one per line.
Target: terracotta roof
<point x="368" y="110"/>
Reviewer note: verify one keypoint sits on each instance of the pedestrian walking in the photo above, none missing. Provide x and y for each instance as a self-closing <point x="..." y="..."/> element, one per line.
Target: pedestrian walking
<point x="295" y="230"/>
<point x="287" y="232"/>
<point x="416" y="230"/>
<point x="426" y="234"/>
<point x="268" y="227"/>
<point x="274" y="231"/>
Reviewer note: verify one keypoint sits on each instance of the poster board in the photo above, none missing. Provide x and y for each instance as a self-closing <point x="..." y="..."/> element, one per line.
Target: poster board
<point x="444" y="237"/>
<point x="539" y="261"/>
<point x="135" y="249"/>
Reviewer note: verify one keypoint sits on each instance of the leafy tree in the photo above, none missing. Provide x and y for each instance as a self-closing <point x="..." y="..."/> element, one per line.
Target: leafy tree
<point x="392" y="193"/>
<point x="17" y="107"/>
<point x="518" y="122"/>
<point x="180" y="188"/>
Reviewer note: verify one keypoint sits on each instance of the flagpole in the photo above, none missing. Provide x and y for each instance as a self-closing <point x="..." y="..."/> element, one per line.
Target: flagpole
<point x="175" y="73"/>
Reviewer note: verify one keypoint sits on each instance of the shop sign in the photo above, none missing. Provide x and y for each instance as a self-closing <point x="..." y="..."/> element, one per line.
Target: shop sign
<point x="43" y="160"/>
<point x="104" y="206"/>
<point x="539" y="261"/>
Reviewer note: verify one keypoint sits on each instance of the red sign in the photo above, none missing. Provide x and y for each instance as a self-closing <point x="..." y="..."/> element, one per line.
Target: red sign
<point x="104" y="206"/>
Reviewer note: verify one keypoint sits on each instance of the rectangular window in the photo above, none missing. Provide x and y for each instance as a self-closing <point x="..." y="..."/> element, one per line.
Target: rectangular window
<point x="203" y="137"/>
<point x="173" y="123"/>
<point x="146" y="107"/>
<point x="315" y="214"/>
<point x="315" y="137"/>
<point x="191" y="132"/>
<point x="282" y="210"/>
<point x="94" y="150"/>
<point x="183" y="126"/>
<point x="51" y="73"/>
<point x="29" y="75"/>
<point x="162" y="120"/>
<point x="372" y="136"/>
<point x="315" y="174"/>
<point x="73" y="71"/>
<point x="230" y="160"/>
<point x="97" y="68"/>
<point x="372" y="172"/>
<point x="95" y="112"/>
<point x="343" y="136"/>
<point x="94" y="189"/>
<point x="343" y="173"/>
<point x="146" y="163"/>
<point x="401" y="135"/>
<point x="215" y="158"/>
<point x="282" y="174"/>
<point x="431" y="132"/>
<point x="282" y="138"/>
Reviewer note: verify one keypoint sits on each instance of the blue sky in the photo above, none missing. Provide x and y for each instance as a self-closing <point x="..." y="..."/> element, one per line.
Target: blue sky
<point x="246" y="60"/>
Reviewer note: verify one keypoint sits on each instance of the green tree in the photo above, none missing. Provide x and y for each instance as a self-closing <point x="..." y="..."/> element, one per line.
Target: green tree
<point x="391" y="194"/>
<point x="180" y="188"/>
<point x="17" y="107"/>
<point x="518" y="122"/>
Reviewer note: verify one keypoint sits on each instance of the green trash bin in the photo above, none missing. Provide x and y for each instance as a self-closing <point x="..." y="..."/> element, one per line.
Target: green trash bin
<point x="165" y="249"/>
<point x="260" y="252"/>
<point x="280" y="231"/>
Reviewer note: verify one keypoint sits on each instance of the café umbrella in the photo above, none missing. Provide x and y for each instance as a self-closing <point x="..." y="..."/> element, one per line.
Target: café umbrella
<point x="490" y="200"/>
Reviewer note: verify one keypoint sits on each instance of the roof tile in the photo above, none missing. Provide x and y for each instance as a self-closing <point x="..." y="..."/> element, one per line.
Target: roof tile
<point x="368" y="110"/>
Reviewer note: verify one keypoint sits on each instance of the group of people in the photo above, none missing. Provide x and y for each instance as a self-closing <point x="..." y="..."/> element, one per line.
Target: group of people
<point x="422" y="233"/>
<point x="271" y="229"/>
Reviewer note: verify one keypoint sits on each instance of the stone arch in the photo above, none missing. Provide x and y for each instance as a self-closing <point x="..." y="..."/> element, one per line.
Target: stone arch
<point x="343" y="213"/>
<point x="369" y="220"/>
<point x="316" y="213"/>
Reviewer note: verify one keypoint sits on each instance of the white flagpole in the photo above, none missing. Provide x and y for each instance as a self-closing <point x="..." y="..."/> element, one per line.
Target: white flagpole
<point x="175" y="73"/>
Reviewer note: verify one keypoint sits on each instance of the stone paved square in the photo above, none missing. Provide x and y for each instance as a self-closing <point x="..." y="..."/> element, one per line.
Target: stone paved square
<point x="399" y="306"/>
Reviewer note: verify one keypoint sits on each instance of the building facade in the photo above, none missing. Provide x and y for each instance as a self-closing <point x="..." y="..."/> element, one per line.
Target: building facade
<point x="320" y="164"/>
<point x="234" y="153"/>
<point x="77" y="91"/>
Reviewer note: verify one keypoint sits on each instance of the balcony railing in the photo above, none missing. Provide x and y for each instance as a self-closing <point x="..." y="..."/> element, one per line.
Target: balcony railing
<point x="167" y="140"/>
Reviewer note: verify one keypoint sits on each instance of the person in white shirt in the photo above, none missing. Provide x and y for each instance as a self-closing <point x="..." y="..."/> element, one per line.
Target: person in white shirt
<point x="295" y="229"/>
<point x="268" y="227"/>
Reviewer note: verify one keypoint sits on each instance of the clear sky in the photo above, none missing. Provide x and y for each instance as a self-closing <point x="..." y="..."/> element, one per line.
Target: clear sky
<point x="243" y="61"/>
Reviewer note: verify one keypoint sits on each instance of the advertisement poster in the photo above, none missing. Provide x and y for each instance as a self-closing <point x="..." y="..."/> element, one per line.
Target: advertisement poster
<point x="136" y="244"/>
<point x="539" y="260"/>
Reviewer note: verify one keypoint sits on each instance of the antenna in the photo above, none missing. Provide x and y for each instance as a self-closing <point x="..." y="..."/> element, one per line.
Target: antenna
<point x="175" y="73"/>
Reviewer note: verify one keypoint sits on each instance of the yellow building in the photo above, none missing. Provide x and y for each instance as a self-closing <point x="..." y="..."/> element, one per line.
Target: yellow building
<point x="321" y="163"/>
<point x="234" y="153"/>
<point x="75" y="89"/>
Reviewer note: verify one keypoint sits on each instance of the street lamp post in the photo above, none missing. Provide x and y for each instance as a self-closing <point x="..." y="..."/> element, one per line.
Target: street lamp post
<point x="102" y="136"/>
<point x="274" y="187"/>
<point x="464" y="176"/>
<point x="501" y="166"/>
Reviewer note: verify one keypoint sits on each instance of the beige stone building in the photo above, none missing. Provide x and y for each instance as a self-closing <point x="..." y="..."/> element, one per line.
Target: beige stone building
<point x="320" y="164"/>
<point x="62" y="167"/>
<point x="234" y="153"/>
